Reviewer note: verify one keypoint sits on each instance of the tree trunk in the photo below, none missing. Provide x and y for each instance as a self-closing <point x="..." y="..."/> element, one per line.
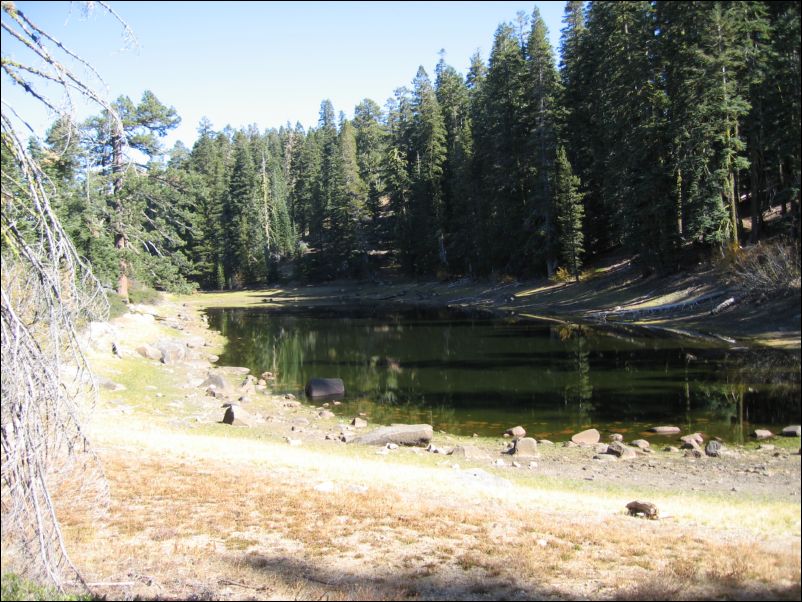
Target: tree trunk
<point x="120" y="240"/>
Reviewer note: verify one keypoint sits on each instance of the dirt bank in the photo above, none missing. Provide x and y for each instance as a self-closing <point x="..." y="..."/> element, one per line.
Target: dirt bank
<point x="614" y="295"/>
<point x="283" y="509"/>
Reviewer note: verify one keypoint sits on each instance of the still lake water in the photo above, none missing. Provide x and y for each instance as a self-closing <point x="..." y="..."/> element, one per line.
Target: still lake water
<point x="469" y="375"/>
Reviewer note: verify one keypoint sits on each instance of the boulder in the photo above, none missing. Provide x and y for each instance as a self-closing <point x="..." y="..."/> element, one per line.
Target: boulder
<point x="216" y="381"/>
<point x="792" y="431"/>
<point x="665" y="430"/>
<point x="194" y="342"/>
<point x="616" y="437"/>
<point x="692" y="441"/>
<point x="172" y="351"/>
<point x="617" y="448"/>
<point x="469" y="452"/>
<point x="760" y="434"/>
<point x="587" y="437"/>
<point x="324" y="387"/>
<point x="401" y="434"/>
<point x="516" y="432"/>
<point x="714" y="449"/>
<point x="641" y="444"/>
<point x="149" y="352"/>
<point x="359" y="422"/>
<point x="525" y="447"/>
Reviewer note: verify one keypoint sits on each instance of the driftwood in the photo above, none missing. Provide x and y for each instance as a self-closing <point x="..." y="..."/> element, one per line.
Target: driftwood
<point x="635" y="313"/>
<point x="647" y="509"/>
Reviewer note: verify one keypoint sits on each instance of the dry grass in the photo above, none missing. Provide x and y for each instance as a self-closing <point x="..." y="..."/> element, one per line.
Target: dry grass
<point x="180" y="529"/>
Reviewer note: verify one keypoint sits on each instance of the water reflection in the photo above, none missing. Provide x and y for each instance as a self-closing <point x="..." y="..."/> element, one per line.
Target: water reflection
<point x="469" y="375"/>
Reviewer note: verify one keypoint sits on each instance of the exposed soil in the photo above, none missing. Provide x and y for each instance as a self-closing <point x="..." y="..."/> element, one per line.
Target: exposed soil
<point x="276" y="510"/>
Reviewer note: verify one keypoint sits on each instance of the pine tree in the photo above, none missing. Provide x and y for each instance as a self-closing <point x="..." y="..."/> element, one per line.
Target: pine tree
<point x="569" y="215"/>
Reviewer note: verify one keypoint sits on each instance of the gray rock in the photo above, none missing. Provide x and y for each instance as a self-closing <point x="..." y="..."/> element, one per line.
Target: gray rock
<point x="359" y="422"/>
<point x="469" y="453"/>
<point x="665" y="430"/>
<point x="194" y="342"/>
<point x="616" y="437"/>
<point x="692" y="441"/>
<point x="617" y="448"/>
<point x="760" y="434"/>
<point x="600" y="448"/>
<point x="604" y="457"/>
<point x="216" y="381"/>
<point x="693" y="453"/>
<point x="640" y="444"/>
<point x="401" y="434"/>
<point x="326" y="414"/>
<point x="714" y="449"/>
<point x="586" y="437"/>
<point x="792" y="431"/>
<point x="670" y="448"/>
<point x="516" y="432"/>
<point x="545" y="442"/>
<point x="525" y="447"/>
<point x="324" y="387"/>
<point x="149" y="352"/>
<point x="172" y="351"/>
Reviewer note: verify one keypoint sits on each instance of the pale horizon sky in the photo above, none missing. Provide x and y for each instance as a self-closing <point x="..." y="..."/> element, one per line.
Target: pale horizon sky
<point x="266" y="63"/>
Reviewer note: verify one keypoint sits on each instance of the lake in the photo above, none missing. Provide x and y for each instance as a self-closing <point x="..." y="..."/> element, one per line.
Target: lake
<point x="468" y="375"/>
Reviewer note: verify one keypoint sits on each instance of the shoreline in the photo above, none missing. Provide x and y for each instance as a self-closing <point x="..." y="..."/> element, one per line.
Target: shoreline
<point x="615" y="299"/>
<point x="283" y="509"/>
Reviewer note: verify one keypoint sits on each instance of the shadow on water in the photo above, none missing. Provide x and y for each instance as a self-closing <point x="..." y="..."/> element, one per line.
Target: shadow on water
<point x="471" y="375"/>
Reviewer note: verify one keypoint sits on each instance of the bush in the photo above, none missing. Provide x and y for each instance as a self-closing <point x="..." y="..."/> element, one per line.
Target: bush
<point x="767" y="267"/>
<point x="15" y="587"/>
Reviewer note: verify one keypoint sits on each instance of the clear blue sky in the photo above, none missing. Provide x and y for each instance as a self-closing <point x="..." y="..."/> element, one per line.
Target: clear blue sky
<point x="267" y="63"/>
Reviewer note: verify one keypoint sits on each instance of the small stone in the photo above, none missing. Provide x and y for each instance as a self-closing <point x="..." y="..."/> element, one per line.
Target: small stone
<point x="545" y="442"/>
<point x="616" y="437"/>
<point x="293" y="442"/>
<point x="499" y="463"/>
<point x="640" y="444"/>
<point x="359" y="422"/>
<point x="765" y="447"/>
<point x="326" y="414"/>
<point x="516" y="432"/>
<point x="515" y="464"/>
<point x="693" y="453"/>
<point x="670" y="448"/>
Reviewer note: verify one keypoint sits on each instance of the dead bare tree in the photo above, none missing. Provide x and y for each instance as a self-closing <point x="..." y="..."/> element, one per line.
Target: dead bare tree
<point x="48" y="291"/>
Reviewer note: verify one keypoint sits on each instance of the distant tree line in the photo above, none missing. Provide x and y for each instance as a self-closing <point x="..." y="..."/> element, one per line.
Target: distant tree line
<point x="665" y="126"/>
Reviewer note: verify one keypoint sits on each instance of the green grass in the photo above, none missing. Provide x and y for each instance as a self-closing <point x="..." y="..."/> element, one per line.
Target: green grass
<point x="15" y="587"/>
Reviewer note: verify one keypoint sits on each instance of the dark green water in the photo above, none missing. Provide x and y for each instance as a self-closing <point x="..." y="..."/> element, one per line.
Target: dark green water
<point x="467" y="375"/>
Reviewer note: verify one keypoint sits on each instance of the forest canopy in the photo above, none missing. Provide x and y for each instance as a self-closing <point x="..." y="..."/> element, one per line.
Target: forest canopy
<point x="666" y="127"/>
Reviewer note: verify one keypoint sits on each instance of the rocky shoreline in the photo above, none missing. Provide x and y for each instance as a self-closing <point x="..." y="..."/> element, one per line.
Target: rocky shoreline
<point x="176" y="339"/>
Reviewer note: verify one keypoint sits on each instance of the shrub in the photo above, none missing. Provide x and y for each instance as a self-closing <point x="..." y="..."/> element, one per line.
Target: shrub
<point x="767" y="267"/>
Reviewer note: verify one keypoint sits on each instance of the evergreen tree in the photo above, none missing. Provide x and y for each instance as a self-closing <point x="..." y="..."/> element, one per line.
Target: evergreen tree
<point x="569" y="214"/>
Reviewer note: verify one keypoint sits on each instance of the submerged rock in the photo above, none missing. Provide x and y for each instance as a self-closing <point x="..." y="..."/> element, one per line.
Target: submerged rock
<point x="325" y="387"/>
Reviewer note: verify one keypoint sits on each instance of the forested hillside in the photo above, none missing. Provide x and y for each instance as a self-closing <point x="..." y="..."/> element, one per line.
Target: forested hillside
<point x="664" y="127"/>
